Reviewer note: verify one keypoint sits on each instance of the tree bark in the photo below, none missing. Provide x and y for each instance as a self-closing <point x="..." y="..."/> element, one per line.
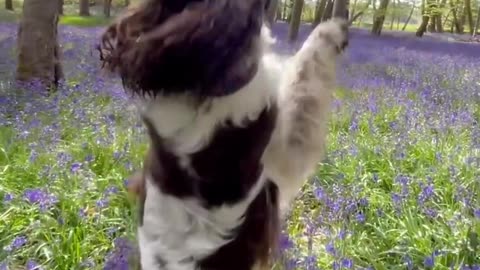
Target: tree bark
<point x="319" y="10"/>
<point x="38" y="48"/>
<point x="393" y="15"/>
<point x="296" y="17"/>
<point x="84" y="8"/>
<point x="456" y="23"/>
<point x="477" y="23"/>
<point x="9" y="4"/>
<point x="60" y="7"/>
<point x="107" y="7"/>
<point x="354" y="7"/>
<point x="468" y="13"/>
<point x="425" y="19"/>
<point x="272" y="12"/>
<point x="328" y="11"/>
<point x="409" y="17"/>
<point x="340" y="9"/>
<point x="379" y="17"/>
<point x="284" y="12"/>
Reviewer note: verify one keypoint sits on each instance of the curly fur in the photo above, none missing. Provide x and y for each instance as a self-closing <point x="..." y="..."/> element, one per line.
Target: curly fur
<point x="177" y="46"/>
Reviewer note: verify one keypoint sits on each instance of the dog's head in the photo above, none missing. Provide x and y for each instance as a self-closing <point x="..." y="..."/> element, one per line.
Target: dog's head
<point x="202" y="47"/>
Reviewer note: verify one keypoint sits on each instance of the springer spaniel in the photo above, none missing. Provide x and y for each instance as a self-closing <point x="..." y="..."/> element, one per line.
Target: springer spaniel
<point x="234" y="129"/>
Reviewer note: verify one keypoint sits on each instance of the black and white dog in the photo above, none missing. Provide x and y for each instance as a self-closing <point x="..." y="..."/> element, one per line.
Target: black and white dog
<point x="234" y="128"/>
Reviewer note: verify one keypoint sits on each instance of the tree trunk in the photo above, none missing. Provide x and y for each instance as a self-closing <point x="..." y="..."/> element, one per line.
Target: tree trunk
<point x="409" y="17"/>
<point x="340" y="9"/>
<point x="468" y="12"/>
<point x="444" y="21"/>
<point x="354" y="7"/>
<point x="38" y="49"/>
<point x="432" y="24"/>
<point x="393" y="15"/>
<point x="272" y="12"/>
<point x="438" y="16"/>
<point x="328" y="11"/>
<point x="456" y="23"/>
<point x="60" y="7"/>
<point x="284" y="12"/>
<point x="319" y="10"/>
<point x="379" y="17"/>
<point x="84" y="8"/>
<point x="127" y="3"/>
<point x="439" y="23"/>
<point x="9" y="4"/>
<point x="425" y="18"/>
<point x="107" y="6"/>
<point x="296" y="16"/>
<point x="477" y="23"/>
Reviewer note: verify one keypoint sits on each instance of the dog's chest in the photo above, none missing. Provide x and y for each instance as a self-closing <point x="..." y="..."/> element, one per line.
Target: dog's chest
<point x="195" y="203"/>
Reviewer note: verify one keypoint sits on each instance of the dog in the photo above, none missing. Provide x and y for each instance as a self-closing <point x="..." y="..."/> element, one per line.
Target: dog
<point x="224" y="128"/>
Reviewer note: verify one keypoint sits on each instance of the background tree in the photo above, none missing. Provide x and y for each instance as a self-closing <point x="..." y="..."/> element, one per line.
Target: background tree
<point x="107" y="7"/>
<point x="379" y="17"/>
<point x="468" y="13"/>
<point x="9" y="4"/>
<point x="84" y="8"/>
<point x="409" y="16"/>
<point x="340" y="9"/>
<point x="319" y="10"/>
<point x="425" y="18"/>
<point x="38" y="49"/>
<point x="477" y="23"/>
<point x="127" y="3"/>
<point x="327" y="14"/>
<point x="60" y="6"/>
<point x="272" y="11"/>
<point x="295" y="18"/>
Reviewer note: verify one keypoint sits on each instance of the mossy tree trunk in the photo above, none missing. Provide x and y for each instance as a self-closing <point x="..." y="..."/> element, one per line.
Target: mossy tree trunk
<point x="295" y="20"/>
<point x="425" y="19"/>
<point x="379" y="17"/>
<point x="468" y="13"/>
<point x="38" y="48"/>
<point x="319" y="10"/>
<point x="477" y="23"/>
<point x="9" y="4"/>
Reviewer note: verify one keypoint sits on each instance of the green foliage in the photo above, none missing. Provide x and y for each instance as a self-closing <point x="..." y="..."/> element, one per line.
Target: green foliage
<point x="84" y="21"/>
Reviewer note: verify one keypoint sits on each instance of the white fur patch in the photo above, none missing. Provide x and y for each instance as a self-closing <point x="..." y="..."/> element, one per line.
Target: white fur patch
<point x="174" y="228"/>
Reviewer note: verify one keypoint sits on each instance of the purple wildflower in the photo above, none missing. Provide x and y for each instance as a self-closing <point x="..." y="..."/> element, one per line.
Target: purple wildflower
<point x="8" y="197"/>
<point x="32" y="265"/>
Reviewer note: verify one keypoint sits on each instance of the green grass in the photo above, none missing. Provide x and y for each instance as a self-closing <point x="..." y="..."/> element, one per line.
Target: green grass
<point x="84" y="21"/>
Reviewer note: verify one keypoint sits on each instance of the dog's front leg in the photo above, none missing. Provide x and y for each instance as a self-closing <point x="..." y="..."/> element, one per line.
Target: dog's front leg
<point x="305" y="95"/>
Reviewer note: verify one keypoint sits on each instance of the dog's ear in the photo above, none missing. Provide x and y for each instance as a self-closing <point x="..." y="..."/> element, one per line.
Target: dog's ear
<point x="203" y="47"/>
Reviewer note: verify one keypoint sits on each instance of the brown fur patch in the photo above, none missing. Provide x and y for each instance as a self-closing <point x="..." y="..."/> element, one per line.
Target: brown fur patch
<point x="176" y="46"/>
